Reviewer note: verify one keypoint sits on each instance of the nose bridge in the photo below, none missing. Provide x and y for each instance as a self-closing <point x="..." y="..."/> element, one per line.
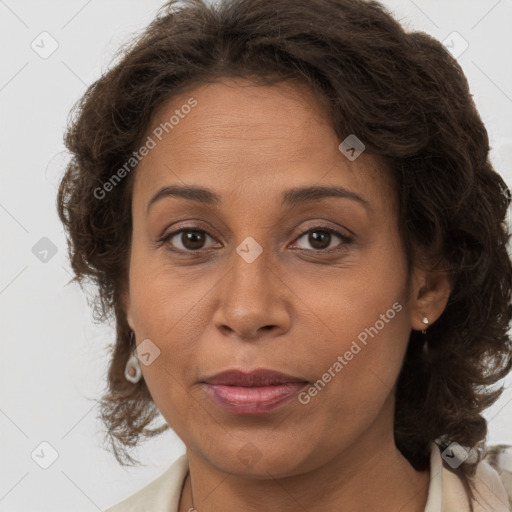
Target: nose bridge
<point x="251" y="295"/>
<point x="252" y="259"/>
<point x="252" y="272"/>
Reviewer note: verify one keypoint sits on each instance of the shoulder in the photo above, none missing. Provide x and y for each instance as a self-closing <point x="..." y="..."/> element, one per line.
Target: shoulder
<point x="163" y="493"/>
<point x="497" y="467"/>
<point x="448" y="493"/>
<point x="489" y="491"/>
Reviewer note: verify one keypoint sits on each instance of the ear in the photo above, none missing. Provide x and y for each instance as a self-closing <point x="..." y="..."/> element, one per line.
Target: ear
<point x="125" y="299"/>
<point x="429" y="295"/>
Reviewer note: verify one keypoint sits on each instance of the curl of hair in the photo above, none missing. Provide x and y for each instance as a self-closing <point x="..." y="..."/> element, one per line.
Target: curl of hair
<point x="405" y="97"/>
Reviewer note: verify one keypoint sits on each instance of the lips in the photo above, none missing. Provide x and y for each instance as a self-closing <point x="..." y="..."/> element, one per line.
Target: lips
<point x="256" y="378"/>
<point x="256" y="392"/>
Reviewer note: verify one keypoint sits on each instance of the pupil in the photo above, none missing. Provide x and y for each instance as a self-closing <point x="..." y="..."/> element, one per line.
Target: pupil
<point x="315" y="235"/>
<point x="193" y="240"/>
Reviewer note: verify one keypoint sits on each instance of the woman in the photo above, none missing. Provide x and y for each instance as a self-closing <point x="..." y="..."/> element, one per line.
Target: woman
<point x="290" y="210"/>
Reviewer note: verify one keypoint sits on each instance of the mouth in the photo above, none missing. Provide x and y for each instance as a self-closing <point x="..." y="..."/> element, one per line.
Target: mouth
<point x="256" y="392"/>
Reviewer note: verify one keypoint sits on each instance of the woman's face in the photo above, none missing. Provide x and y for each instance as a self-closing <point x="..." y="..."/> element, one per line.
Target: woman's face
<point x="255" y="280"/>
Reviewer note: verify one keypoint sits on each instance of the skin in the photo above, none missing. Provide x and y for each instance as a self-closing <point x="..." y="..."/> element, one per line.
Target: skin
<point x="294" y="309"/>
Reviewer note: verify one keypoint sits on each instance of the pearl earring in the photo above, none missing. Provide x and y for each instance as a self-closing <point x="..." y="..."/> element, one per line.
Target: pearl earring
<point x="132" y="371"/>
<point x="425" y="321"/>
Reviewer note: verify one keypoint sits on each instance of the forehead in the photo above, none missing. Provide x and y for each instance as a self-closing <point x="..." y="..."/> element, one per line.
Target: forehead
<point x="267" y="123"/>
<point x="265" y="137"/>
<point x="250" y="105"/>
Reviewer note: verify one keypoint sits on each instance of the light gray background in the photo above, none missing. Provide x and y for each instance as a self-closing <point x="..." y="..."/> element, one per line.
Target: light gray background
<point x="53" y="357"/>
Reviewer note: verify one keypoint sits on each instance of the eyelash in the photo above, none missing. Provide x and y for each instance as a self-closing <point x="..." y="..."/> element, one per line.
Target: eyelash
<point x="346" y="240"/>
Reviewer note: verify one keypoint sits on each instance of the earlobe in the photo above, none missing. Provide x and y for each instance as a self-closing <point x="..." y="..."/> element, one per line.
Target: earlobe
<point x="430" y="296"/>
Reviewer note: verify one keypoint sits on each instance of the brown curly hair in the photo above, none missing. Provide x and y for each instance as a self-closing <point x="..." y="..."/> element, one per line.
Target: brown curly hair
<point x="405" y="96"/>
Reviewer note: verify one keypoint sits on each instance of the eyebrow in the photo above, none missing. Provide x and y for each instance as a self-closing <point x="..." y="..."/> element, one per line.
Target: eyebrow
<point x="290" y="198"/>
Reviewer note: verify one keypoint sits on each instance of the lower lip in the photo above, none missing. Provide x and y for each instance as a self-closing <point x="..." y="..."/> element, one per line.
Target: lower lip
<point x="253" y="400"/>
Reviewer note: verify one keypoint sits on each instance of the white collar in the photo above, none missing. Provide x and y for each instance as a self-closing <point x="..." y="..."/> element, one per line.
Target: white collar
<point x="447" y="493"/>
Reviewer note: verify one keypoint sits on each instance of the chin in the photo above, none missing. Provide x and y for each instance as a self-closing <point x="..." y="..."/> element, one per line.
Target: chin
<point x="259" y="460"/>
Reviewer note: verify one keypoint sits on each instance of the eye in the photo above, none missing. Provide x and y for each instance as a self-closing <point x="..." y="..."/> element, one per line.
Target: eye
<point x="320" y="239"/>
<point x="191" y="239"/>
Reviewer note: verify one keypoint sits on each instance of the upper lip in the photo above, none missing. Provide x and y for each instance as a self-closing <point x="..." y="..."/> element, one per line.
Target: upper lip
<point x="258" y="377"/>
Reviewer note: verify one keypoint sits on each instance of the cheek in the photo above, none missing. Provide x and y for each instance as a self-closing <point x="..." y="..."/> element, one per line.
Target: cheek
<point x="163" y="297"/>
<point x="367" y="318"/>
<point x="359" y="368"/>
<point x="165" y="312"/>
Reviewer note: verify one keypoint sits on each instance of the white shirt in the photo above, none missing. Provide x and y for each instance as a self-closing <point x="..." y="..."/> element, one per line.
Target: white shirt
<point x="446" y="492"/>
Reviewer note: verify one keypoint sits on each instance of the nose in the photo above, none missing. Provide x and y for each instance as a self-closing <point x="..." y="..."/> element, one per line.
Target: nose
<point x="253" y="300"/>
